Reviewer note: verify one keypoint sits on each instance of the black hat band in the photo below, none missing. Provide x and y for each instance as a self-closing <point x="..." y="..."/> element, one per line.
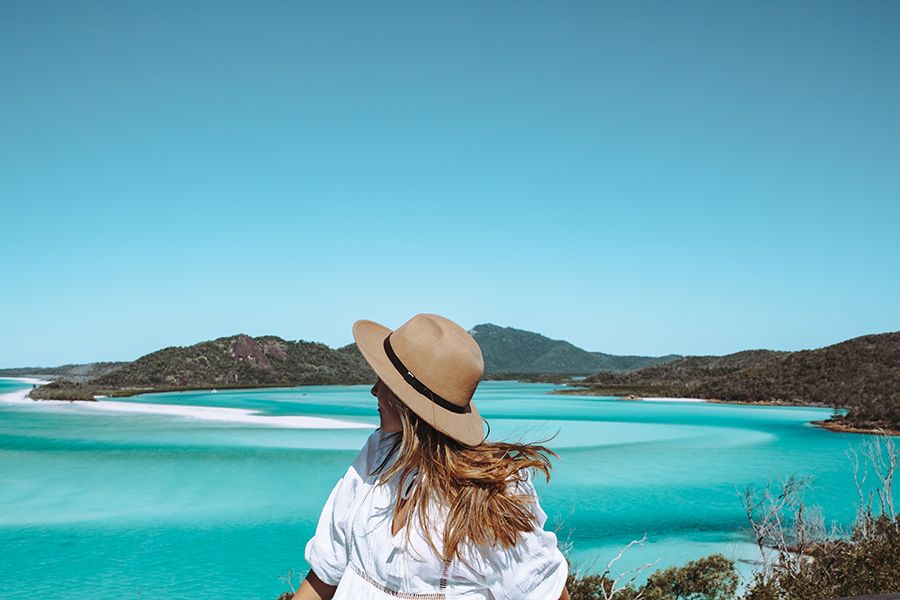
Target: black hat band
<point x="418" y="385"/>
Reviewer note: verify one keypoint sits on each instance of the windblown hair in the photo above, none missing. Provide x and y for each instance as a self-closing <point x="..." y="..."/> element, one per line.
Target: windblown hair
<point x="474" y="483"/>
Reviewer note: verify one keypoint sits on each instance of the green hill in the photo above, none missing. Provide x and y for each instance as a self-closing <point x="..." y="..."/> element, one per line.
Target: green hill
<point x="509" y="351"/>
<point x="244" y="361"/>
<point x="235" y="361"/>
<point x="861" y="374"/>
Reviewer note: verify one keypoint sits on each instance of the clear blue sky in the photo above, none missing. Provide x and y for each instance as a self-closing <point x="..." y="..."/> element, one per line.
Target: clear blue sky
<point x="635" y="177"/>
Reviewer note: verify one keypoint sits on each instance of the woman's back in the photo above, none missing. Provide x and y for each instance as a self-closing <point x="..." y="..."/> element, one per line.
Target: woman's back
<point x="430" y="508"/>
<point x="354" y="545"/>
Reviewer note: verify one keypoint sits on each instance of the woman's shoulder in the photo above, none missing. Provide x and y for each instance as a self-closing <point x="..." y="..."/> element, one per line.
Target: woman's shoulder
<point x="357" y="474"/>
<point x="374" y="451"/>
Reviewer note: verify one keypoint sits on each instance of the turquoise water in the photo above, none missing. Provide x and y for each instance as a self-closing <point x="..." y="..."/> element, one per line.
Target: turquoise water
<point x="111" y="506"/>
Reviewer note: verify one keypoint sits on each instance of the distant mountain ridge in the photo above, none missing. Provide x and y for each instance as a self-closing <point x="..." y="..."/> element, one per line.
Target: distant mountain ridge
<point x="510" y="351"/>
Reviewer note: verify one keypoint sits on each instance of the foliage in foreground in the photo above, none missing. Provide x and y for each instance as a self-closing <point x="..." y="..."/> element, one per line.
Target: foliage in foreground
<point x="709" y="578"/>
<point x="868" y="564"/>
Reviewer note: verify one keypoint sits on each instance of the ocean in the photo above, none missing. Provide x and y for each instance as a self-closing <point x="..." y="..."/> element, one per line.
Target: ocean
<point x="110" y="505"/>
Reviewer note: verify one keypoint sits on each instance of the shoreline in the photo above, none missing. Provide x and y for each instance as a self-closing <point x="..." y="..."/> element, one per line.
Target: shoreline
<point x="640" y="398"/>
<point x="201" y="413"/>
<point x="237" y="415"/>
<point x="660" y="399"/>
<point x="838" y="427"/>
<point x="127" y="392"/>
<point x="833" y="426"/>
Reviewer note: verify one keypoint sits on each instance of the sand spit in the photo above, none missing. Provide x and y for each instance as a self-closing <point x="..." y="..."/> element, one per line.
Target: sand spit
<point x="205" y="413"/>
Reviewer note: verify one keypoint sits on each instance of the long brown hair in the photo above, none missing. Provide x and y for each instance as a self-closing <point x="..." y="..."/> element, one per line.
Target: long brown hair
<point x="472" y="482"/>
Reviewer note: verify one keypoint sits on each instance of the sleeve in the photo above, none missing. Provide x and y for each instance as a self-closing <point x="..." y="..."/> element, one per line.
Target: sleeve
<point x="327" y="552"/>
<point x="535" y="568"/>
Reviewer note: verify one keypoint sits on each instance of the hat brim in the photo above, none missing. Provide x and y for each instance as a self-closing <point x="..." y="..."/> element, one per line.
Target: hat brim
<point x="466" y="428"/>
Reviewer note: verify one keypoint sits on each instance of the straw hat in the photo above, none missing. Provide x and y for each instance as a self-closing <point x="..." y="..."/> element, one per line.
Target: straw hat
<point x="433" y="366"/>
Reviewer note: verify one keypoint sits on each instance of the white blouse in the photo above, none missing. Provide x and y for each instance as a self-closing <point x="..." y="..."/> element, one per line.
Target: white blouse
<point x="353" y="547"/>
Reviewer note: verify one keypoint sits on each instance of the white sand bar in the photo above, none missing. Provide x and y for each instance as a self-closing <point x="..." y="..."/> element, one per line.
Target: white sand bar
<point x="32" y="380"/>
<point x="206" y="413"/>
<point x="672" y="399"/>
<point x="218" y="413"/>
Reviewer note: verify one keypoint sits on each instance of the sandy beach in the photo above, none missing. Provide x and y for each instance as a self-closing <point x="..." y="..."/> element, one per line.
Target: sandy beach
<point x="583" y="391"/>
<point x="672" y="399"/>
<point x="654" y="399"/>
<point x="33" y="380"/>
<point x="206" y="413"/>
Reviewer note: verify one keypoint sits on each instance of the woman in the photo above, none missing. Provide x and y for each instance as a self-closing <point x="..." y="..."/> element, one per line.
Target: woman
<point x="430" y="510"/>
